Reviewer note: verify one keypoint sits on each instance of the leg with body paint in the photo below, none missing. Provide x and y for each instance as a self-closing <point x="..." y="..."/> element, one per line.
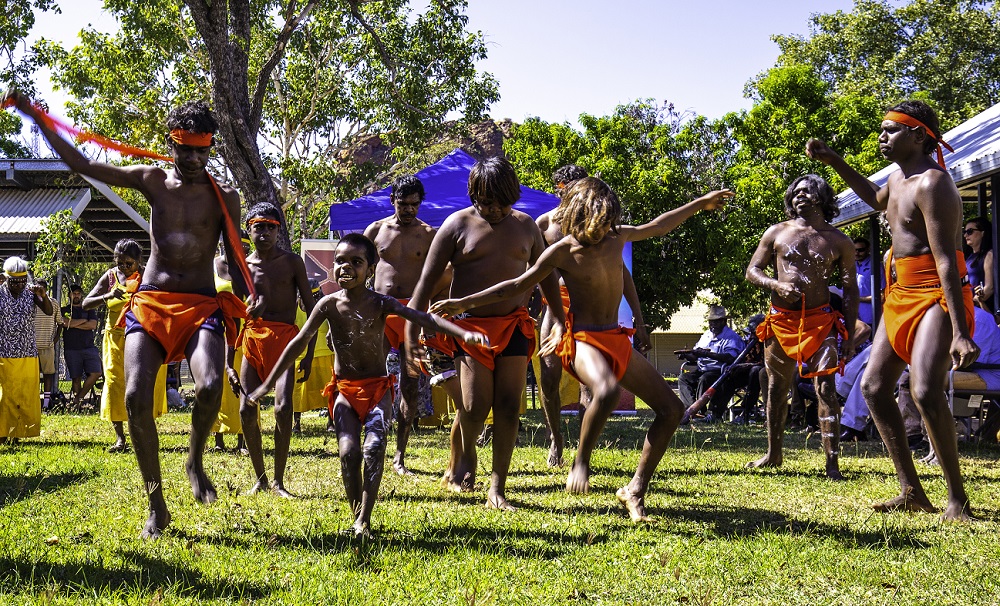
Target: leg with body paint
<point x="345" y="419"/>
<point x="829" y="423"/>
<point x="377" y="425"/>
<point x="780" y="374"/>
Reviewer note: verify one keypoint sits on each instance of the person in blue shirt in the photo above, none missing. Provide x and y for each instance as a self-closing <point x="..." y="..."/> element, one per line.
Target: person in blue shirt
<point x="863" y="264"/>
<point x="715" y="350"/>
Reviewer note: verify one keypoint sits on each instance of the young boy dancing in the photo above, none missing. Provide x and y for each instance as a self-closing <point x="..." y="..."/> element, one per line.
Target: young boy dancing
<point x="594" y="348"/>
<point x="360" y="389"/>
<point x="262" y="341"/>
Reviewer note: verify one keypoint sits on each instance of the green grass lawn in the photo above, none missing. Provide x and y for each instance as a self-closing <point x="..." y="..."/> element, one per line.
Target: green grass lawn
<point x="70" y="515"/>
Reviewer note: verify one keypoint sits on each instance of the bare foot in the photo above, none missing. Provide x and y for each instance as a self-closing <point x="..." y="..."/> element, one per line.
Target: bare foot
<point x="278" y="488"/>
<point x="556" y="453"/>
<point x="156" y="523"/>
<point x="400" y="469"/>
<point x="201" y="486"/>
<point x="362" y="531"/>
<point x="498" y="501"/>
<point x="957" y="512"/>
<point x="635" y="505"/>
<point x="118" y="446"/>
<point x="833" y="470"/>
<point x="578" y="480"/>
<point x="765" y="461"/>
<point x="905" y="503"/>
<point x="259" y="487"/>
<point x="468" y="483"/>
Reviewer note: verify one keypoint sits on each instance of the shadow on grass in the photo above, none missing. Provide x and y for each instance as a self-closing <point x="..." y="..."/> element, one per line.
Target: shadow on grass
<point x="145" y="576"/>
<point x="501" y="542"/>
<point x="81" y="443"/>
<point x="747" y="522"/>
<point x="18" y="488"/>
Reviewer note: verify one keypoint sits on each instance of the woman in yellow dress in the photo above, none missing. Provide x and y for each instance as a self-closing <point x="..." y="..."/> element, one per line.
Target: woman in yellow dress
<point x="308" y="394"/>
<point x="112" y="291"/>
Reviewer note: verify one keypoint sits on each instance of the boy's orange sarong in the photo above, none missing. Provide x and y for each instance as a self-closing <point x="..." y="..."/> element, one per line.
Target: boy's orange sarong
<point x="614" y="344"/>
<point x="262" y="342"/>
<point x="499" y="330"/>
<point x="362" y="394"/>
<point x="172" y="318"/>
<point x="802" y="334"/>
<point x="565" y="298"/>
<point x="916" y="289"/>
<point x="395" y="328"/>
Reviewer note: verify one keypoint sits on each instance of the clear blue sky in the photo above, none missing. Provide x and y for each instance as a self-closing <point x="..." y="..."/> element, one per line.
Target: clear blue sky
<point x="556" y="59"/>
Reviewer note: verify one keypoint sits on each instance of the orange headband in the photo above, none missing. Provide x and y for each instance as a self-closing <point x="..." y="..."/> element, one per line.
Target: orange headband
<point x="263" y="220"/>
<point x="186" y="137"/>
<point x="909" y="120"/>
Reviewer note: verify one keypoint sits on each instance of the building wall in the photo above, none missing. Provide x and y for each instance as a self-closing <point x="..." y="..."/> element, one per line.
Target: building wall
<point x="664" y="344"/>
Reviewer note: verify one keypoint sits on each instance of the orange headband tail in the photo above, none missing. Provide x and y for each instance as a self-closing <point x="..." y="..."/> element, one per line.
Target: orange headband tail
<point x="83" y="136"/>
<point x="909" y="120"/>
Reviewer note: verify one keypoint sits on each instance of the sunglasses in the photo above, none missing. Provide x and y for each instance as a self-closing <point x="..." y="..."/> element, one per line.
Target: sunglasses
<point x="969" y="231"/>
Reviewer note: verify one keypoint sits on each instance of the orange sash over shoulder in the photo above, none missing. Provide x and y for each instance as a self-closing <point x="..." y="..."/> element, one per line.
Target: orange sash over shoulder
<point x="395" y="328"/>
<point x="614" y="344"/>
<point x="499" y="330"/>
<point x="172" y="318"/>
<point x="362" y="394"/>
<point x="801" y="333"/>
<point x="916" y="289"/>
<point x="262" y="343"/>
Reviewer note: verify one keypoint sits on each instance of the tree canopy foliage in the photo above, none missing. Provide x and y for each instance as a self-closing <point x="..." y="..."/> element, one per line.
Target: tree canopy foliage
<point x="16" y="67"/>
<point x="301" y="77"/>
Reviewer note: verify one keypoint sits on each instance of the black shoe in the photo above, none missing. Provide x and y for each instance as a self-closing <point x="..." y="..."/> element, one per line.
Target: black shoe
<point x="853" y="435"/>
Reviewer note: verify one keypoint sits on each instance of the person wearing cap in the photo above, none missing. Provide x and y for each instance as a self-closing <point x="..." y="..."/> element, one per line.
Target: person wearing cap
<point x="20" y="407"/>
<point x="928" y="317"/>
<point x="716" y="349"/>
<point x="83" y="359"/>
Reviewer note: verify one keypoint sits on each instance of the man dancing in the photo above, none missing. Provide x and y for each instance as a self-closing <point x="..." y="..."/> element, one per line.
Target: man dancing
<point x="928" y="311"/>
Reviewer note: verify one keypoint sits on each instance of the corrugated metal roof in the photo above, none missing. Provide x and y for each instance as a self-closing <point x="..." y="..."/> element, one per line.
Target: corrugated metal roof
<point x="22" y="212"/>
<point x="977" y="155"/>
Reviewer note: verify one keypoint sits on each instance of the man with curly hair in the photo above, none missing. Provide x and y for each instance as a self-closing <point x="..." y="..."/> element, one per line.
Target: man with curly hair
<point x="176" y="312"/>
<point x="928" y="312"/>
<point x="801" y="331"/>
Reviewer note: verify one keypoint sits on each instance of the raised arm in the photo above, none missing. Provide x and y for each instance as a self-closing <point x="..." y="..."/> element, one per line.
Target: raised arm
<point x="133" y="177"/>
<point x="873" y="195"/>
<point x="432" y="322"/>
<point x="508" y="289"/>
<point x="669" y="220"/>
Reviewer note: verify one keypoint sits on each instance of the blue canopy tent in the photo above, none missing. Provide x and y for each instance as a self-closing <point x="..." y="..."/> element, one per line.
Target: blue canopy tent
<point x="446" y="183"/>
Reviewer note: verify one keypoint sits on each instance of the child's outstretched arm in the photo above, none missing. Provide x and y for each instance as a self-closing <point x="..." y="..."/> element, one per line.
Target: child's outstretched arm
<point x="507" y="289"/>
<point x="435" y="323"/>
<point x="669" y="220"/>
<point x="295" y="347"/>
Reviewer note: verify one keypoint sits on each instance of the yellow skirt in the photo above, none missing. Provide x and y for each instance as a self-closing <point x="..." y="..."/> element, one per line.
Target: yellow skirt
<point x="228" y="420"/>
<point x="20" y="404"/>
<point x="113" y="394"/>
<point x="309" y="395"/>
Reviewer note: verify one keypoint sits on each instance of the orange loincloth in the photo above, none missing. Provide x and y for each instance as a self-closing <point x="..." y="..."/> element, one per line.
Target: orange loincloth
<point x="362" y="394"/>
<point x="916" y="289"/>
<point x="395" y="328"/>
<point x="614" y="344"/>
<point x="565" y="298"/>
<point x="440" y="342"/>
<point x="262" y="343"/>
<point x="801" y="333"/>
<point x="172" y="318"/>
<point x="499" y="330"/>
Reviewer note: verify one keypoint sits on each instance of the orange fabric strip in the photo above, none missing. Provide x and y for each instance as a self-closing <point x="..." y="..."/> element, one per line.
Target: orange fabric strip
<point x="256" y="220"/>
<point x="262" y="343"/>
<point x="186" y="137"/>
<point x="499" y="330"/>
<point x="916" y="289"/>
<point x="615" y="346"/>
<point x="802" y="332"/>
<point x="362" y="394"/>
<point x="395" y="328"/>
<point x="909" y="120"/>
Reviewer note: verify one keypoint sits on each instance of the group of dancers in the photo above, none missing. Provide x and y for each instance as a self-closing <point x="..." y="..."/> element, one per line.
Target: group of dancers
<point x="462" y="289"/>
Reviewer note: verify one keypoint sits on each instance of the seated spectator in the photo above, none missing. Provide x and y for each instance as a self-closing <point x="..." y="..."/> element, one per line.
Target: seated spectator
<point x="750" y="373"/>
<point x="83" y="359"/>
<point x="716" y="349"/>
